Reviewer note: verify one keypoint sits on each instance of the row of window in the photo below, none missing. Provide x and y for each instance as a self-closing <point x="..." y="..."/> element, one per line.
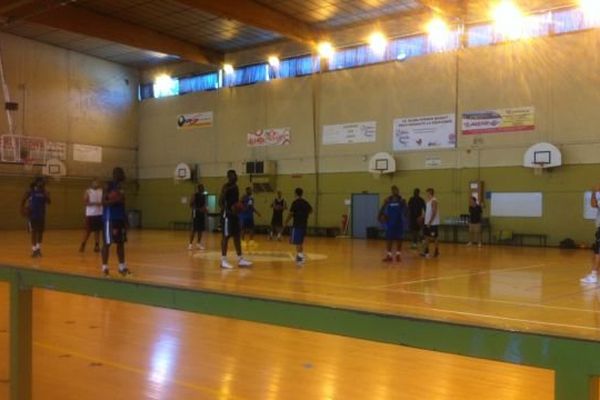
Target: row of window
<point x="541" y="24"/>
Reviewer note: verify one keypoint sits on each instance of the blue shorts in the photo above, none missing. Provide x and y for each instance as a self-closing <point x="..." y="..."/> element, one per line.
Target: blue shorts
<point x="247" y="222"/>
<point x="394" y="232"/>
<point x="297" y="235"/>
<point x="114" y="232"/>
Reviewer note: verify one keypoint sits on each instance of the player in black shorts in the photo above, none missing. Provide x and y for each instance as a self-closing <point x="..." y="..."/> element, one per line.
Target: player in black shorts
<point x="278" y="205"/>
<point x="229" y="201"/>
<point x="114" y="220"/>
<point x="299" y="211"/>
<point x="198" y="206"/>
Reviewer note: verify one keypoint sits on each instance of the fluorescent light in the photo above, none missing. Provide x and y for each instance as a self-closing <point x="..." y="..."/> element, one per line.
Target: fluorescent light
<point x="438" y="32"/>
<point x="509" y="21"/>
<point x="228" y="68"/>
<point x="274" y="61"/>
<point x="325" y="49"/>
<point x="378" y="42"/>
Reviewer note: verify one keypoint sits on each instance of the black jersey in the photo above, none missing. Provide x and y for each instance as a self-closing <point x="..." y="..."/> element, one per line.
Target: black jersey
<point x="199" y="202"/>
<point x="230" y="194"/>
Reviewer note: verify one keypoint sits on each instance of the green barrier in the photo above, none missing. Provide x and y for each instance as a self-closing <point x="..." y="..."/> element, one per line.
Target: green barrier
<point x="575" y="362"/>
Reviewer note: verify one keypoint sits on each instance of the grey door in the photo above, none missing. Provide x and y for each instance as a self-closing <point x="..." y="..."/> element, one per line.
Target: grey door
<point x="365" y="207"/>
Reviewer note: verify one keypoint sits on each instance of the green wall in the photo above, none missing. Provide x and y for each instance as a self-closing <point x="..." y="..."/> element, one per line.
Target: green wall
<point x="562" y="190"/>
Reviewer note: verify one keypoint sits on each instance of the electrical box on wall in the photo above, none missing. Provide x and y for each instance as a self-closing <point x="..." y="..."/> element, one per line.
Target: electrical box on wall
<point x="476" y="190"/>
<point x="259" y="168"/>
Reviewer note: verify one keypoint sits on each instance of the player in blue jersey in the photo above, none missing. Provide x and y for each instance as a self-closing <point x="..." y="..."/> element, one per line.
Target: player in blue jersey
<point x="393" y="215"/>
<point x="114" y="221"/>
<point x="33" y="206"/>
<point x="247" y="218"/>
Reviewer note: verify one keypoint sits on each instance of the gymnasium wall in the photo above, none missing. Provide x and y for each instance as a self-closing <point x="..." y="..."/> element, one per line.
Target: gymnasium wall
<point x="67" y="97"/>
<point x="556" y="75"/>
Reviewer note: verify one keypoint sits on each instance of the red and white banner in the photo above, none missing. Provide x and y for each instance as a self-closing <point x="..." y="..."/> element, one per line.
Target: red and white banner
<point x="269" y="137"/>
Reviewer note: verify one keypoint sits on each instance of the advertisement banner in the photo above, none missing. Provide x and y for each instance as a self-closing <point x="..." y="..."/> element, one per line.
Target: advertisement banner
<point x="359" y="132"/>
<point x="269" y="137"/>
<point x="85" y="153"/>
<point x="497" y="121"/>
<point x="56" y="150"/>
<point x="195" y="120"/>
<point x="428" y="132"/>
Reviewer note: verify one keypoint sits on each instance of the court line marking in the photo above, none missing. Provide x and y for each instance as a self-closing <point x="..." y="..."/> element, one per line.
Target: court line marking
<point x="177" y="280"/>
<point x="128" y="368"/>
<point x="383" y="288"/>
<point x="443" y="278"/>
<point x="508" y="302"/>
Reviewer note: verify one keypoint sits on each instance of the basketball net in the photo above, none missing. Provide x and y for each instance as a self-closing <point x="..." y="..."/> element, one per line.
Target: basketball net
<point x="28" y="164"/>
<point x="376" y="174"/>
<point x="538" y="169"/>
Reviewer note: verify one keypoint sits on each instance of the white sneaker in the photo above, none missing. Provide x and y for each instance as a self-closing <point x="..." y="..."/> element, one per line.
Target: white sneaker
<point x="199" y="246"/>
<point x="226" y="265"/>
<point x="190" y="247"/>
<point x="244" y="263"/>
<point x="590" y="278"/>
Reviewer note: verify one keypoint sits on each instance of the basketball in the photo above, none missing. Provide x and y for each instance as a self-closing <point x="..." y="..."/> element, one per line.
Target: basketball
<point x="238" y="207"/>
<point x="114" y="196"/>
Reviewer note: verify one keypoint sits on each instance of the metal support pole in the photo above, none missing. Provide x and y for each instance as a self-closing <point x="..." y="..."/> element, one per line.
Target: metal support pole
<point x="20" y="339"/>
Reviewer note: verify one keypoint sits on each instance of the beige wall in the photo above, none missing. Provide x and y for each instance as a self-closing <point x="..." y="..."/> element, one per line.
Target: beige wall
<point x="557" y="75"/>
<point x="67" y="97"/>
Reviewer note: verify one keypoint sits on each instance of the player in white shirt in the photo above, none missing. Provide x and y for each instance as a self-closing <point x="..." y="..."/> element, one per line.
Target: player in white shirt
<point x="93" y="215"/>
<point x="592" y="277"/>
<point x="432" y="223"/>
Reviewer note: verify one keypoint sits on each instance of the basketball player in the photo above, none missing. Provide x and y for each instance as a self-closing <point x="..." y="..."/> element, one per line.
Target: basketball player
<point x="416" y="213"/>
<point x="230" y="209"/>
<point x="393" y="214"/>
<point x="93" y="215"/>
<point x="114" y="222"/>
<point x="247" y="218"/>
<point x="299" y="211"/>
<point x="278" y="205"/>
<point x="432" y="222"/>
<point x="198" y="206"/>
<point x="34" y="207"/>
<point x="592" y="277"/>
<point x="475" y="212"/>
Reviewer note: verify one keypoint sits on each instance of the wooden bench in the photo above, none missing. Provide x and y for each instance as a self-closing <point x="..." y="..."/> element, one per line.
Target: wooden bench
<point x="541" y="238"/>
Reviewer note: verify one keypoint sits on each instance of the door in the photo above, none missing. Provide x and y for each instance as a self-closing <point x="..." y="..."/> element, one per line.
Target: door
<point x="365" y="207"/>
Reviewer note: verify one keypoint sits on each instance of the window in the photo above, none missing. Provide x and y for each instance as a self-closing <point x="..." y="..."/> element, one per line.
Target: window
<point x="355" y="56"/>
<point x="165" y="86"/>
<point x="399" y="49"/>
<point x="246" y="75"/>
<point x="295" y="66"/>
<point x="146" y="91"/>
<point x="570" y="20"/>
<point x="199" y="83"/>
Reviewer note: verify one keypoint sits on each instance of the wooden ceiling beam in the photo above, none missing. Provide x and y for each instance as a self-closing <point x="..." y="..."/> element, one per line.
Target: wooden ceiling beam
<point x="76" y="19"/>
<point x="260" y="16"/>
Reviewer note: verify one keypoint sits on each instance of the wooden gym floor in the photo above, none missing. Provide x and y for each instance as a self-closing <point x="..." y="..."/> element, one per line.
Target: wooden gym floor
<point x="85" y="348"/>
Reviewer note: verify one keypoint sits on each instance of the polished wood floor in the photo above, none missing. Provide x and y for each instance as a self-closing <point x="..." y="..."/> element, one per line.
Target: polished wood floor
<point x="86" y="348"/>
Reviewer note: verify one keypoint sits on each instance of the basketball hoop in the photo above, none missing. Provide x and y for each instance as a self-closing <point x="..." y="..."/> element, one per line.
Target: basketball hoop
<point x="538" y="168"/>
<point x="376" y="174"/>
<point x="28" y="164"/>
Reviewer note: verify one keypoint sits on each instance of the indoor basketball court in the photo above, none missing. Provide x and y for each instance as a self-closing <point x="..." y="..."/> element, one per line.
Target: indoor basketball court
<point x="123" y="125"/>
